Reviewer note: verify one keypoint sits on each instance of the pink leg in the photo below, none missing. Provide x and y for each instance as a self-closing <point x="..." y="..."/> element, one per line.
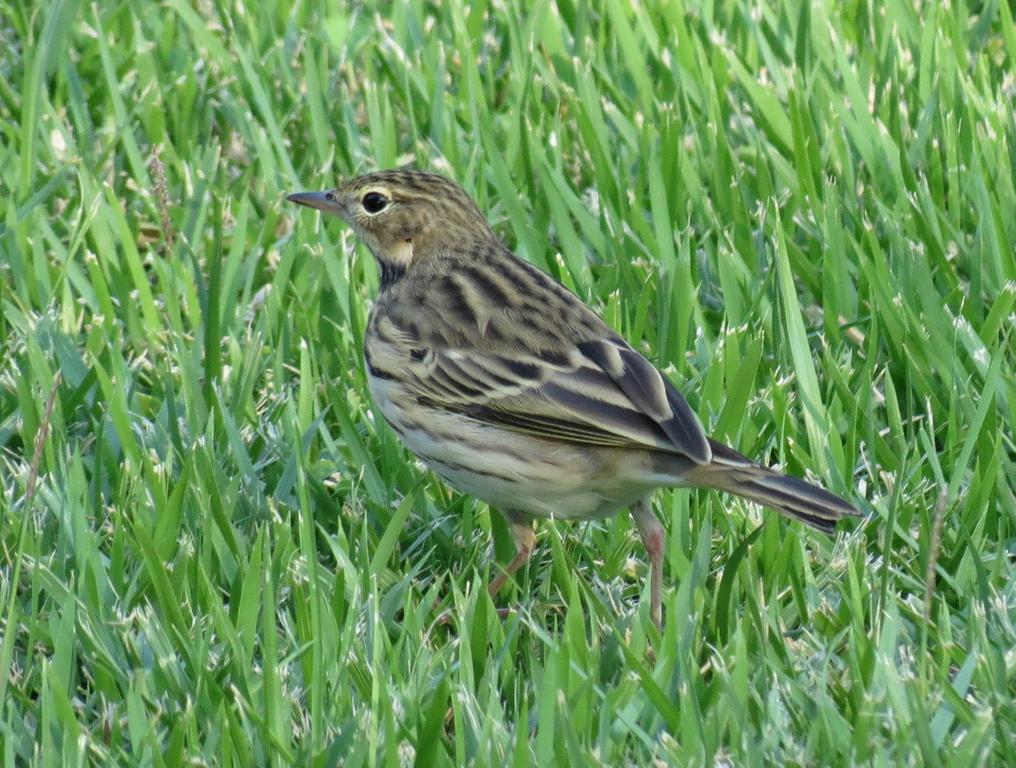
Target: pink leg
<point x="653" y="538"/>
<point x="525" y="540"/>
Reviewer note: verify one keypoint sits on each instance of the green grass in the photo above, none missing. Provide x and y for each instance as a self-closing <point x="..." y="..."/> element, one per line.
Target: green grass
<point x="213" y="552"/>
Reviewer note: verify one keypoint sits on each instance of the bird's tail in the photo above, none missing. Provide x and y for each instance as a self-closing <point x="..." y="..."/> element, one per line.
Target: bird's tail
<point x="730" y="471"/>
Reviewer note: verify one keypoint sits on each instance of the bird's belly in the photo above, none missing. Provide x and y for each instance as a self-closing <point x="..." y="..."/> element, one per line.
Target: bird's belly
<point x="509" y="470"/>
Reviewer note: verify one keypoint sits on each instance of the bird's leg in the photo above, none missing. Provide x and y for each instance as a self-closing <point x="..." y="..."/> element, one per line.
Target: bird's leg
<point x="653" y="537"/>
<point x="525" y="539"/>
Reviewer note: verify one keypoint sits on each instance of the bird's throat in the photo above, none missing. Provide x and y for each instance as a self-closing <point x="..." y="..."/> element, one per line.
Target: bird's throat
<point x="392" y="262"/>
<point x="391" y="272"/>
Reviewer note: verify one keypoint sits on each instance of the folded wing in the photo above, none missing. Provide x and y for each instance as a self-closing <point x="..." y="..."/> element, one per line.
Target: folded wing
<point x="600" y="392"/>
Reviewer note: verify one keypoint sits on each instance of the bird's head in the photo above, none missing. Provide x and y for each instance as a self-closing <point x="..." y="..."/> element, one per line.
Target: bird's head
<point x="405" y="217"/>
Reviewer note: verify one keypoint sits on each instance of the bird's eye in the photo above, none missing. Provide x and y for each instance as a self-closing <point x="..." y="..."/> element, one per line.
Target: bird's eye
<point x="374" y="202"/>
<point x="330" y="196"/>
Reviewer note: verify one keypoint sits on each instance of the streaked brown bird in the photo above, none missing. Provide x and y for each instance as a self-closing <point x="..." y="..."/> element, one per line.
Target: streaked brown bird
<point x="506" y="385"/>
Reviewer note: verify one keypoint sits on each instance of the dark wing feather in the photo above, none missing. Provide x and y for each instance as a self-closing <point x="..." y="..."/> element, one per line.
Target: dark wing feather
<point x="512" y="347"/>
<point x="594" y="395"/>
<point x="652" y="393"/>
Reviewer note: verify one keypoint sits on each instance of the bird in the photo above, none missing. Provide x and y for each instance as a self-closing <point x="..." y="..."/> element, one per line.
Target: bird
<point x="506" y="385"/>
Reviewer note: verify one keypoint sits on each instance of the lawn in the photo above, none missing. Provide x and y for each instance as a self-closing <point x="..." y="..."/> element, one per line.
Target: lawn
<point x="212" y="549"/>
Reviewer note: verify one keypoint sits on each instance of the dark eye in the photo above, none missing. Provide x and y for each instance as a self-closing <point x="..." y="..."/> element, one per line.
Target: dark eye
<point x="374" y="202"/>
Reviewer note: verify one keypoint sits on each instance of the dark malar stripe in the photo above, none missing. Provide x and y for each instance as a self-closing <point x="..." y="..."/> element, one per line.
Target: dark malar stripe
<point x="391" y="273"/>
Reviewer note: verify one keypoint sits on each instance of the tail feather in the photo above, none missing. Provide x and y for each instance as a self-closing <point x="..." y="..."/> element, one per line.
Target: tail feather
<point x="730" y="471"/>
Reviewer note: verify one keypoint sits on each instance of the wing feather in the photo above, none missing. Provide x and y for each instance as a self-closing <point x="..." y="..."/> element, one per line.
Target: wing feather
<point x="540" y="362"/>
<point x="606" y="394"/>
<point x="652" y="393"/>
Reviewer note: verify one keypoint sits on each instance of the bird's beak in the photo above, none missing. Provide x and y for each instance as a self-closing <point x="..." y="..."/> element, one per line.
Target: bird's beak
<point x="323" y="201"/>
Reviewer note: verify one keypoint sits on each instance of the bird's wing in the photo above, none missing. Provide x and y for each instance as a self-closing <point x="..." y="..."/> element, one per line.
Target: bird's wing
<point x="598" y="392"/>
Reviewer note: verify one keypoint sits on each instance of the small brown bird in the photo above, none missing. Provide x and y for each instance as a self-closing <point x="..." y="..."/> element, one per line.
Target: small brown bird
<point x="514" y="391"/>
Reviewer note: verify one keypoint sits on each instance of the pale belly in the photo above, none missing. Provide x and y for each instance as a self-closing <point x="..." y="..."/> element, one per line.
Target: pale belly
<point x="514" y="471"/>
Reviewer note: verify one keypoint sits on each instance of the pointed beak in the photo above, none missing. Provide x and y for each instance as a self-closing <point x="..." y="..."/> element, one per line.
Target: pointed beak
<point x="323" y="201"/>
